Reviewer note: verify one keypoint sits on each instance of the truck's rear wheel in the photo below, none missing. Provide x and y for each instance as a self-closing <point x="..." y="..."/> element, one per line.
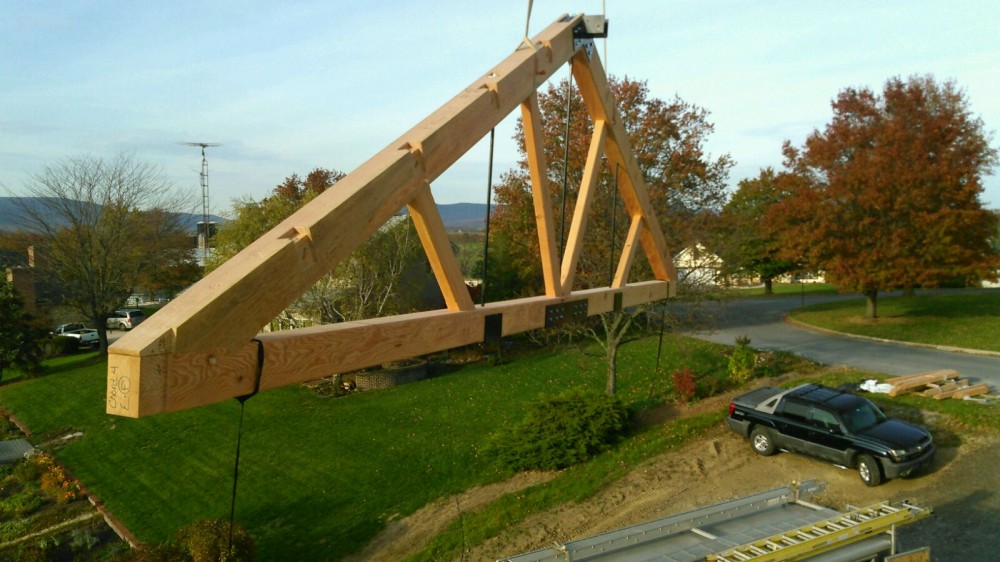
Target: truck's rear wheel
<point x="869" y="470"/>
<point x="760" y="439"/>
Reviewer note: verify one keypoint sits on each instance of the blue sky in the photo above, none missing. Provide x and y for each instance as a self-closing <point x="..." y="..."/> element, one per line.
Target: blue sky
<point x="286" y="87"/>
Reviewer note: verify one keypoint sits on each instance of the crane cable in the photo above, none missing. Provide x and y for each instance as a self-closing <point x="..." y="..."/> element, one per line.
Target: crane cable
<point x="239" y="438"/>
<point x="489" y="201"/>
<point x="569" y="108"/>
<point x="527" y="23"/>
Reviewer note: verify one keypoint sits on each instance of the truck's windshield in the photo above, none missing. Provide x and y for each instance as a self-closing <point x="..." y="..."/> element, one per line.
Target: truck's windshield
<point x="863" y="416"/>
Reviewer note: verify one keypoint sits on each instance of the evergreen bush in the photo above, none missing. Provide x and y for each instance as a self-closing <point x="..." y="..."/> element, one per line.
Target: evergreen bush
<point x="561" y="431"/>
<point x="741" y="362"/>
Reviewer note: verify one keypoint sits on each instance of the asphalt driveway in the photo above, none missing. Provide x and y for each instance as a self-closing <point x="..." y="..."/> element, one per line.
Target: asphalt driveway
<point x="763" y="321"/>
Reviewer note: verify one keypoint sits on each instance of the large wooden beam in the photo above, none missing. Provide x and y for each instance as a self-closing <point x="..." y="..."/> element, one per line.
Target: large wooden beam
<point x="597" y="96"/>
<point x="204" y="346"/>
<point x="581" y="211"/>
<point x="430" y="228"/>
<point x="535" y="148"/>
<point x="185" y="380"/>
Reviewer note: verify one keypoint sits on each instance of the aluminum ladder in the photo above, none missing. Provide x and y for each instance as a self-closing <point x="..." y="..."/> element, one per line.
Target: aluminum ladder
<point x="817" y="538"/>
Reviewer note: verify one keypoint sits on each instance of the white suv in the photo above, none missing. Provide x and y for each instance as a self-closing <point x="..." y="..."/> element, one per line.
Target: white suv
<point x="125" y="319"/>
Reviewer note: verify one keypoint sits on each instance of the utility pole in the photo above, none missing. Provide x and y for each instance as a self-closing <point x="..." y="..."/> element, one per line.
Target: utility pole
<point x="205" y="227"/>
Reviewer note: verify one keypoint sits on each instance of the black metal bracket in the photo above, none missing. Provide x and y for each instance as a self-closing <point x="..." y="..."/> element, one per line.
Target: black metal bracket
<point x="259" y="374"/>
<point x="565" y="313"/>
<point x="493" y="329"/>
<point x="589" y="28"/>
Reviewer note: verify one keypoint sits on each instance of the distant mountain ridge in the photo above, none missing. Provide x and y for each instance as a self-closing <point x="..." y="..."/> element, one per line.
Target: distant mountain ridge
<point x="463" y="216"/>
<point x="456" y="216"/>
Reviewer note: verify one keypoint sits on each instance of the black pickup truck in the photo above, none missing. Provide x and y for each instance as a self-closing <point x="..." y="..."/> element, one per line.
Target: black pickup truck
<point x="832" y="425"/>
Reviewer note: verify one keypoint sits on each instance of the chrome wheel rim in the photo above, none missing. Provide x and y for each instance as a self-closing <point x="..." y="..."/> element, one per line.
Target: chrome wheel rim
<point x="865" y="473"/>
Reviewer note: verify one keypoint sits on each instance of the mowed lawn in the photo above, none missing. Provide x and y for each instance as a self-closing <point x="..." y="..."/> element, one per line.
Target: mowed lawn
<point x="319" y="477"/>
<point x="969" y="320"/>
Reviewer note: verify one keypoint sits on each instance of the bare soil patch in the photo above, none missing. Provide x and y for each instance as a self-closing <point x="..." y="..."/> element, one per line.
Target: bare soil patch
<point x="963" y="487"/>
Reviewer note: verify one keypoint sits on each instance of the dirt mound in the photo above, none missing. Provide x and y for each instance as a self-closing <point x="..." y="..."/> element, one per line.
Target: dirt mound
<point x="404" y="537"/>
<point x="719" y="467"/>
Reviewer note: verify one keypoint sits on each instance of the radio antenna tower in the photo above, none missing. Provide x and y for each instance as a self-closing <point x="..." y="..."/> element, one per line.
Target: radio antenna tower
<point x="205" y="232"/>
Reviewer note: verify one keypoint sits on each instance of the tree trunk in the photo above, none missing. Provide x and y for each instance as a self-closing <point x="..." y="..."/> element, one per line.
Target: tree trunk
<point x="101" y="324"/>
<point x="616" y="326"/>
<point x="871" y="304"/>
<point x="612" y="369"/>
<point x="768" y="286"/>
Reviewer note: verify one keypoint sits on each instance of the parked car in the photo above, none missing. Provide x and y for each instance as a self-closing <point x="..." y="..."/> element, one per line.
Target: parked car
<point x="87" y="336"/>
<point x="834" y="425"/>
<point x="125" y="319"/>
<point x="63" y="329"/>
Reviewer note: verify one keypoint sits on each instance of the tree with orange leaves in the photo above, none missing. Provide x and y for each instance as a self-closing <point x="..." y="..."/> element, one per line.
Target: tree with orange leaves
<point x="687" y="188"/>
<point x="889" y="192"/>
<point x="687" y="185"/>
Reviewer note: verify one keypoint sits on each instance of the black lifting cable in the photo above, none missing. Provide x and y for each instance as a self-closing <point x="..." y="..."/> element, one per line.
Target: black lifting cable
<point x="659" y="346"/>
<point x="489" y="202"/>
<point x="239" y="438"/>
<point x="569" y="106"/>
<point x="614" y="215"/>
<point x="486" y="245"/>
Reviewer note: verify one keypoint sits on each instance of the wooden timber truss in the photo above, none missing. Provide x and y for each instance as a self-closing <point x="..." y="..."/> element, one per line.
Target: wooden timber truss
<point x="204" y="346"/>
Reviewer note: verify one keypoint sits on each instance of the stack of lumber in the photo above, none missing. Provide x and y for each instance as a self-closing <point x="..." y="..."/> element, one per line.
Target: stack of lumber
<point x="940" y="384"/>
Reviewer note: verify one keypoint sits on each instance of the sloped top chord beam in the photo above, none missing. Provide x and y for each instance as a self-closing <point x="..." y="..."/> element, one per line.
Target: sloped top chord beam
<point x="204" y="346"/>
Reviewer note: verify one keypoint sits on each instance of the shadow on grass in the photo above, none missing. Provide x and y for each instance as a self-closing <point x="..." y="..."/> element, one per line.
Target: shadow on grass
<point x="74" y="362"/>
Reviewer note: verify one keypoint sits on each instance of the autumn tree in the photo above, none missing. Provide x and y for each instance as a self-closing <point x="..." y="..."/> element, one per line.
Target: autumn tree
<point x="687" y="187"/>
<point x="746" y="243"/>
<point x="890" y="191"/>
<point x="995" y="240"/>
<point x="377" y="279"/>
<point x="104" y="225"/>
<point x="317" y="181"/>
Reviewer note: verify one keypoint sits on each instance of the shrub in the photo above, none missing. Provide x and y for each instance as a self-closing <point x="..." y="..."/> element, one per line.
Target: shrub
<point x="9" y="430"/>
<point x="21" y="503"/>
<point x="741" y="361"/>
<point x="27" y="471"/>
<point x="83" y="540"/>
<point x="685" y="385"/>
<point x="10" y="530"/>
<point x="54" y="481"/>
<point x="562" y="431"/>
<point x="9" y="484"/>
<point x="33" y="553"/>
<point x="59" y="345"/>
<point x="208" y="541"/>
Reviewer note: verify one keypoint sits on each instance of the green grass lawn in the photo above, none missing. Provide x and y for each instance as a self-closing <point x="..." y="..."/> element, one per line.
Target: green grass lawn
<point x="778" y="289"/>
<point x="966" y="320"/>
<point x="319" y="477"/>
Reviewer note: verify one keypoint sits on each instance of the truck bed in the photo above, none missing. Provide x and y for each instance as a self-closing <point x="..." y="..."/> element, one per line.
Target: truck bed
<point x="753" y="398"/>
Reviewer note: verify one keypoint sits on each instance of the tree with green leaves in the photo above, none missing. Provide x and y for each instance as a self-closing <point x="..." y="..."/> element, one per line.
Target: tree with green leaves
<point x="18" y="333"/>
<point x="687" y="187"/>
<point x="104" y="227"/>
<point x="746" y="242"/>
<point x="889" y="192"/>
<point x="384" y="276"/>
